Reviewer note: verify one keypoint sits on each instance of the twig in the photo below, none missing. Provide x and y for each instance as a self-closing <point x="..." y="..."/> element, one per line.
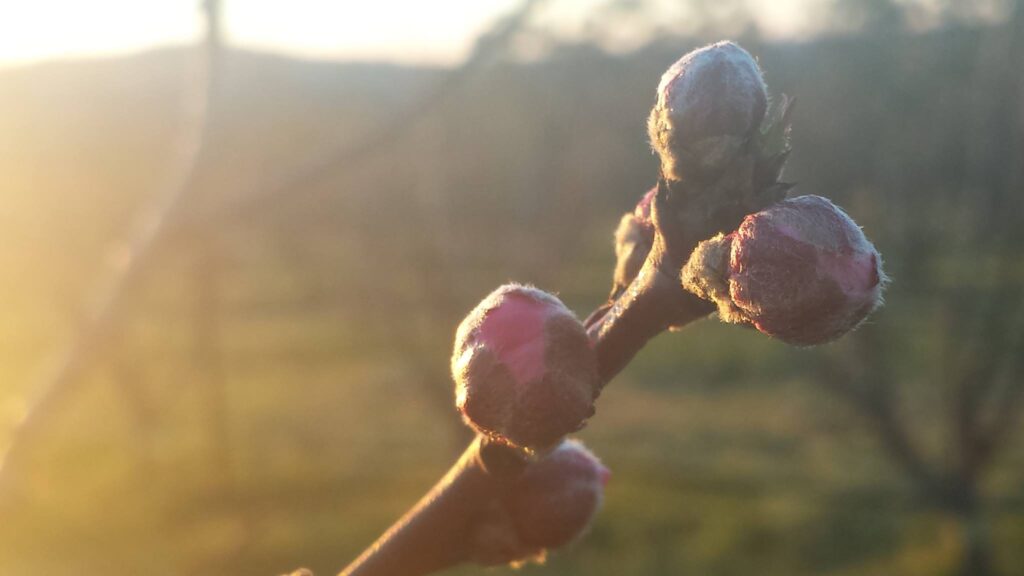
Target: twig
<point x="435" y="533"/>
<point x="652" y="303"/>
<point x="438" y="531"/>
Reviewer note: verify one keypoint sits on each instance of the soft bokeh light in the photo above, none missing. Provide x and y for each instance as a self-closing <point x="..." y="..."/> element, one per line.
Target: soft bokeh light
<point x="42" y="29"/>
<point x="273" y="386"/>
<point x="408" y="31"/>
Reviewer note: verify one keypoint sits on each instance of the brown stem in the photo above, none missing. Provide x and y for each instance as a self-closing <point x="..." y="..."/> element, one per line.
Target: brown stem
<point x="683" y="215"/>
<point x="437" y="532"/>
<point x="652" y="303"/>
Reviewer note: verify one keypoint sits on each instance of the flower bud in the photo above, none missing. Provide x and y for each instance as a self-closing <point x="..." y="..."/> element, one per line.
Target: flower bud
<point x="642" y="212"/>
<point x="554" y="500"/>
<point x="801" y="271"/>
<point x="633" y="240"/>
<point x="551" y="504"/>
<point x="709" y="105"/>
<point x="524" y="368"/>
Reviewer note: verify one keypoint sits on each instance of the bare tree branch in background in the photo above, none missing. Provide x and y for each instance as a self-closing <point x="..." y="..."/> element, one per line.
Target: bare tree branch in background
<point x="953" y="487"/>
<point x="208" y="350"/>
<point x="346" y="154"/>
<point x="434" y="383"/>
<point x="127" y="377"/>
<point x="165" y="218"/>
<point x="867" y="383"/>
<point x="985" y="371"/>
<point x="104" y="319"/>
<point x="209" y="359"/>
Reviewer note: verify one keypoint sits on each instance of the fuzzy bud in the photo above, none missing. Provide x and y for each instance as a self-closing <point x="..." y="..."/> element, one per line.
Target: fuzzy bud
<point x="642" y="212"/>
<point x="551" y="504"/>
<point x="801" y="271"/>
<point x="633" y="240"/>
<point x="524" y="368"/>
<point x="709" y="105"/>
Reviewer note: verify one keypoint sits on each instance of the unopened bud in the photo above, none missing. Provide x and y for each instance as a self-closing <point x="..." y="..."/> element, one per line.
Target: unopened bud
<point x="633" y="240"/>
<point x="801" y="271"/>
<point x="710" y="103"/>
<point x="551" y="504"/>
<point x="642" y="212"/>
<point x="524" y="368"/>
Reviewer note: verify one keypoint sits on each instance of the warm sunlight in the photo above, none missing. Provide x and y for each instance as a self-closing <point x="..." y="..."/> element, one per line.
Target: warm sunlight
<point x="409" y="31"/>
<point x="43" y="29"/>
<point x="269" y="267"/>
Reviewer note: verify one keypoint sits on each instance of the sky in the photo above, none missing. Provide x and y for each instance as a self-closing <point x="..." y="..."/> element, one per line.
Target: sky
<point x="409" y="31"/>
<point x="437" y="32"/>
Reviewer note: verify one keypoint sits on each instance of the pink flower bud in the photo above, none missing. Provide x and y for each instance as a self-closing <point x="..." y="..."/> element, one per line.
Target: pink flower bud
<point x="801" y="271"/>
<point x="710" y="103"/>
<point x="551" y="504"/>
<point x="642" y="212"/>
<point x="554" y="500"/>
<point x="524" y="368"/>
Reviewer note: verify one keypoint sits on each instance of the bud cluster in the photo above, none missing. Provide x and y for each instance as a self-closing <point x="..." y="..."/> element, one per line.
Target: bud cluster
<point x="633" y="240"/>
<point x="551" y="504"/>
<point x="524" y="369"/>
<point x="709" y="105"/>
<point x="801" y="271"/>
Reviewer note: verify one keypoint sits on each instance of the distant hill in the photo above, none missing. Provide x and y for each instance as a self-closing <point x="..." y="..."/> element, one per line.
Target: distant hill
<point x="516" y="147"/>
<point x="334" y="304"/>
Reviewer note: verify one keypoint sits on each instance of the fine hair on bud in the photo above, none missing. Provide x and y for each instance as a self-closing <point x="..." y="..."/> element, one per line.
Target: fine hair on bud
<point x="633" y="239"/>
<point x="709" y="105"/>
<point x="551" y="504"/>
<point x="525" y="372"/>
<point x="801" y="271"/>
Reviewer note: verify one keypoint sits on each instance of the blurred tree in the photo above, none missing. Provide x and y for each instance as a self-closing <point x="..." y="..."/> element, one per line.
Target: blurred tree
<point x="982" y="310"/>
<point x="102" y="323"/>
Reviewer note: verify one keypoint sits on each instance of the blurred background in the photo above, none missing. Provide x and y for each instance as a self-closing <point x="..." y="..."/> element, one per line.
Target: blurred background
<point x="236" y="239"/>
